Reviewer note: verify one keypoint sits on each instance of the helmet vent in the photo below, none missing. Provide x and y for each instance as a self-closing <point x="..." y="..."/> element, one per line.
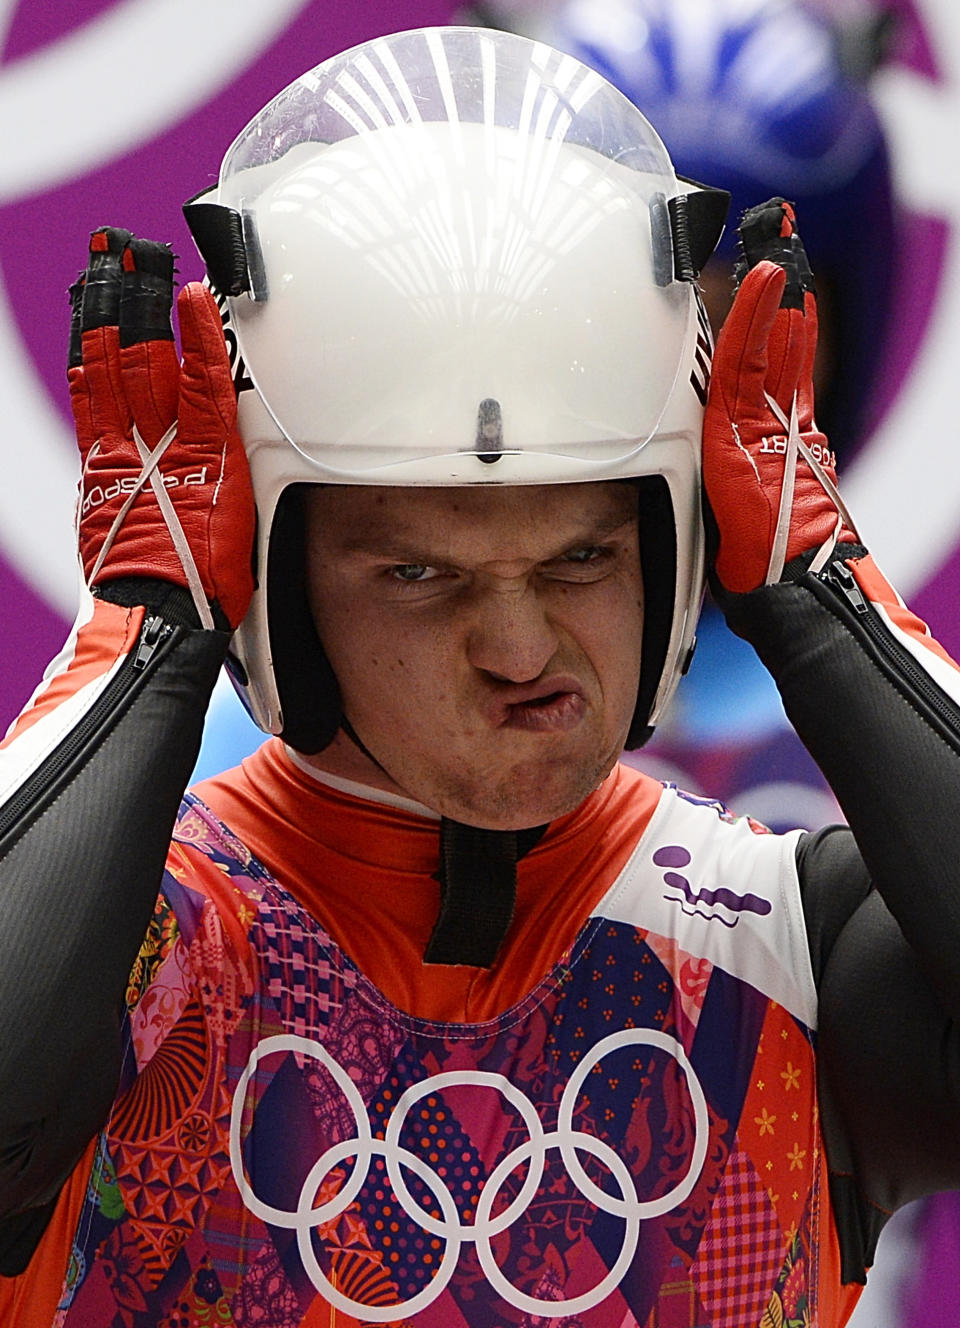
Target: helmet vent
<point x="489" y="444"/>
<point x="697" y="220"/>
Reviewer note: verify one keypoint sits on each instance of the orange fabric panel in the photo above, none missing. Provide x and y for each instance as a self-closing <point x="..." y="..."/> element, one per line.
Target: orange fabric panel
<point x="835" y="1301"/>
<point x="110" y="633"/>
<point x="774" y="1123"/>
<point x="365" y="871"/>
<point x="30" y="1300"/>
<point x="879" y="590"/>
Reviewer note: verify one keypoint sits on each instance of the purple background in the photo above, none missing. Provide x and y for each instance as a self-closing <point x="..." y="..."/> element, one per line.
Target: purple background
<point x="44" y="236"/>
<point x="44" y="239"/>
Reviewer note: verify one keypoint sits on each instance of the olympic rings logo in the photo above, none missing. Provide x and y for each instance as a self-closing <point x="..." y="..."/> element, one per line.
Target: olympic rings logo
<point x="569" y="1141"/>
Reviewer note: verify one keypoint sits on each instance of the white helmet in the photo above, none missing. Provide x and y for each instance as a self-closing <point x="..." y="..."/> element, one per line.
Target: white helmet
<point x="458" y="256"/>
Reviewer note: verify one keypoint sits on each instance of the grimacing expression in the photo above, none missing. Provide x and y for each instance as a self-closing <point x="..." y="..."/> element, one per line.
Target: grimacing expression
<point x="486" y="639"/>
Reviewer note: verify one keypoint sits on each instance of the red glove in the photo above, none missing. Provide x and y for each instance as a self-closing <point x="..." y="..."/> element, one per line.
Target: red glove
<point x="762" y="486"/>
<point x="165" y="492"/>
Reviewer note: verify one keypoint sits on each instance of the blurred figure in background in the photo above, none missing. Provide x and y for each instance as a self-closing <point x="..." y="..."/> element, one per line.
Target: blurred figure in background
<point x="764" y="96"/>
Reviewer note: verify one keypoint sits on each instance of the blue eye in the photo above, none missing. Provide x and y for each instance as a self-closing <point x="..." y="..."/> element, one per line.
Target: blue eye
<point x="589" y="562"/>
<point x="412" y="572"/>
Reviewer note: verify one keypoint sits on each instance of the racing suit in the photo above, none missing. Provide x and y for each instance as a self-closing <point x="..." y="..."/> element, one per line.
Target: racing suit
<point x="706" y="1066"/>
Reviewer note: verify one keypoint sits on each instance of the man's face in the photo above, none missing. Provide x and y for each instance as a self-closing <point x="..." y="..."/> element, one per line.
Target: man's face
<point x="486" y="639"/>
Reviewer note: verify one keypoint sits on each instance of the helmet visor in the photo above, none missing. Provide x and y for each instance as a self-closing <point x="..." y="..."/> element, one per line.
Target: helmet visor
<point x="459" y="242"/>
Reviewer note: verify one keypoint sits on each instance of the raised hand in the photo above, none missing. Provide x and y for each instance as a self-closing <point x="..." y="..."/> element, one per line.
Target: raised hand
<point x="165" y="491"/>
<point x="769" y="475"/>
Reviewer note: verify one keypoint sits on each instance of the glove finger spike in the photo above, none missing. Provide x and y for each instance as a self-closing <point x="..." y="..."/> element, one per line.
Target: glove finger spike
<point x="99" y="313"/>
<point x="146" y="292"/>
<point x="75" y="347"/>
<point x="148" y="354"/>
<point x="100" y="304"/>
<point x="769" y="232"/>
<point x="79" y="387"/>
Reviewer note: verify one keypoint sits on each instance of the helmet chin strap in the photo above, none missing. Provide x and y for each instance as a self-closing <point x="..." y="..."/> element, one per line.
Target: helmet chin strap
<point x="478" y="884"/>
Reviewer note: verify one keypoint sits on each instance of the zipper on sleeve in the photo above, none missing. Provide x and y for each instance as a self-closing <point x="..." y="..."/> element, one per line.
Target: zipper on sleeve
<point x="155" y="640"/>
<point x="840" y="576"/>
<point x="836" y="587"/>
<point x="152" y="636"/>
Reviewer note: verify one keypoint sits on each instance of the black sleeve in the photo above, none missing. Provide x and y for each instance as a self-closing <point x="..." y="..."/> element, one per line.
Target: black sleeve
<point x="83" y="841"/>
<point x="882" y="899"/>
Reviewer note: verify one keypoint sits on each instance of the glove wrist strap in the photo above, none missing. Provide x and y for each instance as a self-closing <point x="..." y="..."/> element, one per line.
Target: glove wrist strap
<point x="149" y="474"/>
<point x="796" y="447"/>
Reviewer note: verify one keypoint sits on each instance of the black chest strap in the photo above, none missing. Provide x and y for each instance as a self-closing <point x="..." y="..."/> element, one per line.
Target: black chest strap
<point x="478" y="880"/>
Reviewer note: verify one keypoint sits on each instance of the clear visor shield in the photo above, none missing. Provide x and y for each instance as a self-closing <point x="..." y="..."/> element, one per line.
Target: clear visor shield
<point x="458" y="241"/>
